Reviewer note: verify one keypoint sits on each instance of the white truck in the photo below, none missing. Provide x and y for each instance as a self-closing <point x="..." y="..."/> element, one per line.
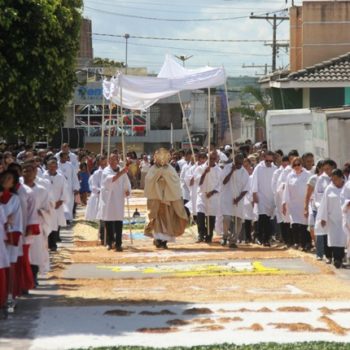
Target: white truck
<point x="324" y="132"/>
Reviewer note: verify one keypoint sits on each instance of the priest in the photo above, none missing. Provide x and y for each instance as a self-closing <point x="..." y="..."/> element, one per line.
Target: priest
<point x="166" y="213"/>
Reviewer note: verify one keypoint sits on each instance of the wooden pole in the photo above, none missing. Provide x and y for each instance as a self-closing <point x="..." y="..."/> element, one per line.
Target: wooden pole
<point x="102" y="123"/>
<point x="209" y="132"/>
<point x="124" y="159"/>
<point x="109" y="129"/>
<point x="186" y="124"/>
<point x="229" y="116"/>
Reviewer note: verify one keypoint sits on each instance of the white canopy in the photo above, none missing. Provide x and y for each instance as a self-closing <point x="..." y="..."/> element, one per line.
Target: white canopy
<point x="142" y="92"/>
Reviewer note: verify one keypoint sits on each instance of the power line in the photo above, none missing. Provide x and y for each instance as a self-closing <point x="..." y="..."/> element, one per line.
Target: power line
<point x="216" y="52"/>
<point x="189" y="39"/>
<point x="179" y="11"/>
<point x="169" y="19"/>
<point x="166" y="19"/>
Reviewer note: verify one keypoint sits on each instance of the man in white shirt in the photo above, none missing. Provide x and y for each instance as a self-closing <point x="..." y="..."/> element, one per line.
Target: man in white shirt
<point x="58" y="197"/>
<point x="208" y="199"/>
<point x="115" y="187"/>
<point x="67" y="169"/>
<point x="234" y="188"/>
<point x="264" y="197"/>
<point x="73" y="158"/>
<point x="184" y="188"/>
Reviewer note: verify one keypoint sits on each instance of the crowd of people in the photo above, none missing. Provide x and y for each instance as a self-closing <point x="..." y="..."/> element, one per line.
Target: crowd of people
<point x="245" y="193"/>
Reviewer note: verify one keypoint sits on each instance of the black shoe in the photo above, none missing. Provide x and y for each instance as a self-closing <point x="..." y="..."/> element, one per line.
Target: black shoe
<point x="267" y="244"/>
<point x="208" y="239"/>
<point x="53" y="249"/>
<point x="157" y="243"/>
<point x="164" y="245"/>
<point x="338" y="264"/>
<point x="233" y="245"/>
<point x="118" y="249"/>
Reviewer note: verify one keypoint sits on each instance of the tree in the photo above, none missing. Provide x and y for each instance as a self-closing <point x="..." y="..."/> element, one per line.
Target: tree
<point x="106" y="62"/>
<point x="254" y="105"/>
<point x="38" y="53"/>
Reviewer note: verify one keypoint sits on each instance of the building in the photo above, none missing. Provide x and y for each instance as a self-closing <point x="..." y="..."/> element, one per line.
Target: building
<point x="319" y="58"/>
<point x="319" y="31"/>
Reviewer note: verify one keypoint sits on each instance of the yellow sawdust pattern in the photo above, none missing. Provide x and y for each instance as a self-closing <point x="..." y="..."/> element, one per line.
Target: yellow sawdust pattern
<point x="293" y="309"/>
<point x="333" y="326"/>
<point x="158" y="330"/>
<point x="212" y="328"/>
<point x="298" y="327"/>
<point x="229" y="319"/>
<point x="256" y="327"/>
<point x="203" y="321"/>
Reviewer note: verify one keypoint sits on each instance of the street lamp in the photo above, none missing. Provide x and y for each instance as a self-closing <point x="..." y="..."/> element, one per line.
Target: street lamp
<point x="183" y="59"/>
<point x="126" y="36"/>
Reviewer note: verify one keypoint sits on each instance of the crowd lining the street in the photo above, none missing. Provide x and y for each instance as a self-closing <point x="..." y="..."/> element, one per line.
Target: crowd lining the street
<point x="247" y="194"/>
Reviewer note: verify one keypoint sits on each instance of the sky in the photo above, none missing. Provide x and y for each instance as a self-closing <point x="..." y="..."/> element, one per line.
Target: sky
<point x="188" y="19"/>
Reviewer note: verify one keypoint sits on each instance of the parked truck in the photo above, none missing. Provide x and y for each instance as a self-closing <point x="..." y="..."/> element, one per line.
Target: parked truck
<point x="324" y="132"/>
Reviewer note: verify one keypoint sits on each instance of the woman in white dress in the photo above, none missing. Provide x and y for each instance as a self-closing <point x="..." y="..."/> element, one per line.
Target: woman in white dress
<point x="293" y="201"/>
<point x="330" y="216"/>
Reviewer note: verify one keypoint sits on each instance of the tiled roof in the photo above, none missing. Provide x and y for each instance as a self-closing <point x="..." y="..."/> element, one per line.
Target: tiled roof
<point x="334" y="70"/>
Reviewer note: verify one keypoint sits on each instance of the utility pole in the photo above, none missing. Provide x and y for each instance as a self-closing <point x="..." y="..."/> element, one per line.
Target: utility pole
<point x="274" y="25"/>
<point x="253" y="65"/>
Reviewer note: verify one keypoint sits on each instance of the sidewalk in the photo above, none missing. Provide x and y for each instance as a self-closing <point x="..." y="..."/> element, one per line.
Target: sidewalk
<point x="17" y="332"/>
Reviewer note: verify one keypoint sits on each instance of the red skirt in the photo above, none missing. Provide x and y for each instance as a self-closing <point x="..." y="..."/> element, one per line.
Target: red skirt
<point x="27" y="275"/>
<point x="3" y="287"/>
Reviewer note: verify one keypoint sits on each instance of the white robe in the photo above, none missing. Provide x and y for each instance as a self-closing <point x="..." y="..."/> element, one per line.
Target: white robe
<point x="345" y="198"/>
<point x="94" y="199"/>
<point x="4" y="257"/>
<point x="321" y="184"/>
<point x="29" y="213"/>
<point x="294" y="196"/>
<point x="186" y="195"/>
<point x="73" y="158"/>
<point x="209" y="206"/>
<point x="67" y="169"/>
<point x="13" y="208"/>
<point x="277" y="194"/>
<point x="112" y="196"/>
<point x="261" y="184"/>
<point x="249" y="209"/>
<point x="330" y="210"/>
<point x="191" y="173"/>
<point x="58" y="193"/>
<point x="38" y="251"/>
<point x="238" y="183"/>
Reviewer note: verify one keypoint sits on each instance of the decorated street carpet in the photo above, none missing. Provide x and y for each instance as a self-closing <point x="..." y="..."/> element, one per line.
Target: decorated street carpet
<point x="191" y="324"/>
<point x="187" y="269"/>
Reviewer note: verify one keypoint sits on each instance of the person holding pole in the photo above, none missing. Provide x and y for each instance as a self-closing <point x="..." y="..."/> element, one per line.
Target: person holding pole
<point x="208" y="199"/>
<point x="115" y="187"/>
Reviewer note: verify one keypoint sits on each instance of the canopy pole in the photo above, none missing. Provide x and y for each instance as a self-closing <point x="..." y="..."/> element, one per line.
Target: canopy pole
<point x="186" y="124"/>
<point x="102" y="123"/>
<point x="109" y="129"/>
<point x="229" y="115"/>
<point x="124" y="159"/>
<point x="209" y="132"/>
